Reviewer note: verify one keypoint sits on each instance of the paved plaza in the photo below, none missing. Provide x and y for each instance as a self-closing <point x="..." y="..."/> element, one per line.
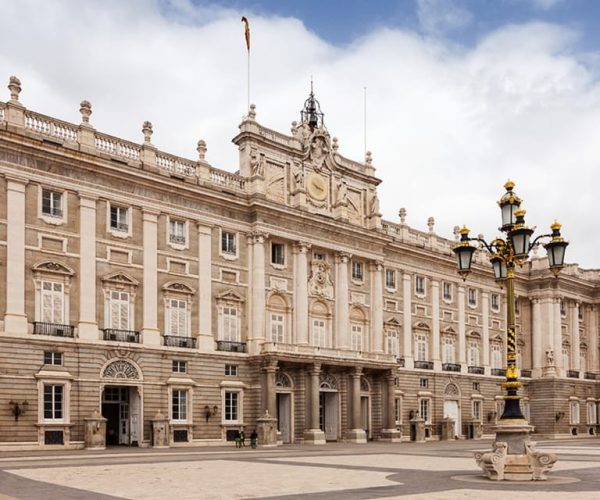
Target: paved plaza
<point x="436" y="470"/>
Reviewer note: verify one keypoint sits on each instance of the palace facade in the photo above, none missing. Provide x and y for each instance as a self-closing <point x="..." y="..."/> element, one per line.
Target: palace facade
<point x="145" y="288"/>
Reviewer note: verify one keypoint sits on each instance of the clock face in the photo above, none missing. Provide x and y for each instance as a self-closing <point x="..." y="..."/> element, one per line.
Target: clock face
<point x="317" y="187"/>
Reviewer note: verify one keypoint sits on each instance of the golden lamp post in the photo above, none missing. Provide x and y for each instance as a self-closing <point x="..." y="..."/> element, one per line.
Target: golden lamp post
<point x="512" y="432"/>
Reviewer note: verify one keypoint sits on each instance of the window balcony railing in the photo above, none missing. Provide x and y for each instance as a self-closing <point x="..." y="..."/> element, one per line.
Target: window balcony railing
<point x="53" y="212"/>
<point x="54" y="329"/>
<point x="573" y="373"/>
<point x="451" y="367"/>
<point x="227" y="346"/>
<point x="424" y="365"/>
<point x="177" y="239"/>
<point x="120" y="226"/>
<point x="526" y="373"/>
<point x="121" y="335"/>
<point x="476" y="370"/>
<point x="590" y="375"/>
<point x="498" y="372"/>
<point x="401" y="362"/>
<point x="176" y="341"/>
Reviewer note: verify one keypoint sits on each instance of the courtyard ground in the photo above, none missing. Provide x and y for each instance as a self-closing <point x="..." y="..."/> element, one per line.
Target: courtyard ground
<point x="434" y="470"/>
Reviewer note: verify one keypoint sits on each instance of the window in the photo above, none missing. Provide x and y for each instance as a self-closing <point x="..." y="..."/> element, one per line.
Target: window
<point x="178" y="318"/>
<point x="356" y="337"/>
<point x="53" y="358"/>
<point x="583" y="360"/>
<point x="179" y="399"/>
<point x="476" y="386"/>
<point x="565" y="357"/>
<point x="574" y="407"/>
<point x="447" y="291"/>
<point x="318" y="333"/>
<point x="177" y="232"/>
<point x="563" y="308"/>
<point x="52" y="203"/>
<point x="448" y="350"/>
<point x="591" y="413"/>
<point x="424" y="410"/>
<point x="231" y="370"/>
<point x="179" y="366"/>
<point x="398" y="411"/>
<point x="423" y="383"/>
<point x="119" y="310"/>
<point x="422" y="347"/>
<point x="390" y="279"/>
<point x="517" y="306"/>
<point x="419" y="285"/>
<point x="277" y="328"/>
<point x="318" y="256"/>
<point x="277" y="254"/>
<point x="495" y="302"/>
<point x="228" y="243"/>
<point x="357" y="271"/>
<point x="53" y="402"/>
<point x="580" y="312"/>
<point x="472" y="297"/>
<point x="229" y="324"/>
<point x="473" y="353"/>
<point x="119" y="218"/>
<point x="231" y="406"/>
<point x="477" y="410"/>
<point x="52" y="303"/>
<point x="393" y="346"/>
<point x="496" y="356"/>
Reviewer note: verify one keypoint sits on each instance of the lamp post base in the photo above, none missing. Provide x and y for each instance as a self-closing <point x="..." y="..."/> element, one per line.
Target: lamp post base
<point x="514" y="457"/>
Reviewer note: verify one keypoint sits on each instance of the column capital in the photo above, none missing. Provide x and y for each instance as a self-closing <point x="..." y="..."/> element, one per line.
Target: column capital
<point x="15" y="183"/>
<point x="204" y="228"/>
<point x="315" y="369"/>
<point x="342" y="257"/>
<point x="301" y="247"/>
<point x="259" y="237"/>
<point x="271" y="366"/>
<point x="357" y="372"/>
<point x="377" y="265"/>
<point x="149" y="215"/>
<point x="406" y="276"/>
<point x="87" y="200"/>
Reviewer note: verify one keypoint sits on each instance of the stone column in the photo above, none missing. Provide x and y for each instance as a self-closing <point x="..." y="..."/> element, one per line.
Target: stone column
<point x="435" y="320"/>
<point x="301" y="293"/>
<point x="314" y="435"/>
<point x="485" y="337"/>
<point x="407" y="320"/>
<point x="342" y="314"/>
<point x="150" y="331"/>
<point x="575" y="359"/>
<point x="206" y="340"/>
<point x="15" y="320"/>
<point x="391" y="433"/>
<point x="357" y="434"/>
<point x="257" y="324"/>
<point x="88" y="323"/>
<point x="547" y="328"/>
<point x="593" y="339"/>
<point x="462" y="324"/>
<point x="376" y="307"/>
<point x="558" y="338"/>
<point x="271" y="399"/>
<point x="537" y="347"/>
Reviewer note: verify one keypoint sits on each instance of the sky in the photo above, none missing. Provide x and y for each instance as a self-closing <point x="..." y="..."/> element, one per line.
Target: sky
<point x="461" y="95"/>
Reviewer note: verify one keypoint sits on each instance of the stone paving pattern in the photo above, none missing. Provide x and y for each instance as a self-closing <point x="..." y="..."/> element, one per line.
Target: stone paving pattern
<point x="434" y="470"/>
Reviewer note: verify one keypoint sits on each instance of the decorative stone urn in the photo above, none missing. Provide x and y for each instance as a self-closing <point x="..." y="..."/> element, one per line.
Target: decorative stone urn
<point x="95" y="431"/>
<point x="160" y="431"/>
<point x="267" y="430"/>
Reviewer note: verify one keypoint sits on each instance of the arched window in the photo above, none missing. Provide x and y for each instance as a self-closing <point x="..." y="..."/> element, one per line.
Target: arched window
<point x="473" y="352"/>
<point x="358" y="338"/>
<point x="497" y="355"/>
<point x="320" y="321"/>
<point x="277" y="319"/>
<point x="448" y="349"/>
<point x="392" y="343"/>
<point x="566" y="354"/>
<point x="421" y="346"/>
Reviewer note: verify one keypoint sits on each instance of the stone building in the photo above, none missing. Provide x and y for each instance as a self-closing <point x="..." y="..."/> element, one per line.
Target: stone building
<point x="153" y="289"/>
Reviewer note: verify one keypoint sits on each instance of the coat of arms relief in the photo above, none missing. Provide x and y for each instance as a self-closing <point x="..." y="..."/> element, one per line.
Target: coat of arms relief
<point x="320" y="283"/>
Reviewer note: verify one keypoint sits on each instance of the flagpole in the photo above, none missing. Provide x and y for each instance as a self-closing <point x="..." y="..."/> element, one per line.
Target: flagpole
<point x="365" y="118"/>
<point x="248" y="79"/>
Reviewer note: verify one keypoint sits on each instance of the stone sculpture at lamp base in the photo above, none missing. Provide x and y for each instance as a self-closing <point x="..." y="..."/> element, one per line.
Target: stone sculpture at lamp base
<point x="267" y="430"/>
<point x="514" y="457"/>
<point x="95" y="431"/>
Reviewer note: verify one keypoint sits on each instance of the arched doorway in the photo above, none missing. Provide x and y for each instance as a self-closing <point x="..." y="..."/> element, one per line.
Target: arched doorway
<point x="452" y="406"/>
<point x="121" y="402"/>
<point x="328" y="407"/>
<point x="365" y="407"/>
<point x="283" y="388"/>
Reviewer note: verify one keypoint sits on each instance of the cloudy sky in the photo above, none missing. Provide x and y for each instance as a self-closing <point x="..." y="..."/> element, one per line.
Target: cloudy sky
<point x="461" y="94"/>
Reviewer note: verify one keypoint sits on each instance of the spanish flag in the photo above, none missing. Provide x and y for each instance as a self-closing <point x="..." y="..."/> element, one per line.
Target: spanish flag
<point x="246" y="32"/>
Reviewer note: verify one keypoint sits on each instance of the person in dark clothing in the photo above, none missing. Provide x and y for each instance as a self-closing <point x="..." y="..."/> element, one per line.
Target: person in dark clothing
<point x="254" y="439"/>
<point x="238" y="439"/>
<point x="242" y="439"/>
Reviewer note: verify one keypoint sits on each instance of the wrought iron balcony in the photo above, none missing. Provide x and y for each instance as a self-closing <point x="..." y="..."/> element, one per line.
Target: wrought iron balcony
<point x="573" y="373"/>
<point x="425" y="365"/>
<point x="176" y="341"/>
<point x="498" y="372"/>
<point x="177" y="239"/>
<point x="526" y="373"/>
<point x="223" y="345"/>
<point x="451" y="367"/>
<point x="590" y="375"/>
<point x="476" y="370"/>
<point x="401" y="362"/>
<point x="119" y="226"/>
<point x="121" y="335"/>
<point x="54" y="329"/>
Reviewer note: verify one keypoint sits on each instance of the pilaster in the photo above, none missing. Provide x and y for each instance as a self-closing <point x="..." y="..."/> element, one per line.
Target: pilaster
<point x="342" y="313"/>
<point x="557" y="334"/>
<point x="356" y="433"/>
<point x="461" y="325"/>
<point x="537" y="347"/>
<point x="206" y="341"/>
<point x="407" y="320"/>
<point x="575" y="340"/>
<point x="150" y="331"/>
<point x="301" y="292"/>
<point x="88" y="324"/>
<point x="314" y="435"/>
<point x="257" y="319"/>
<point x="435" y="320"/>
<point x="377" y="306"/>
<point x="485" y="337"/>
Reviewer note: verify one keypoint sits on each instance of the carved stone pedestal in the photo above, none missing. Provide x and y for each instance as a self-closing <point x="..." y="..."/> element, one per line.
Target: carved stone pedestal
<point x="417" y="430"/>
<point x="95" y="432"/>
<point x="266" y="428"/>
<point x="160" y="431"/>
<point x="391" y="435"/>
<point x="447" y="433"/>
<point x="514" y="457"/>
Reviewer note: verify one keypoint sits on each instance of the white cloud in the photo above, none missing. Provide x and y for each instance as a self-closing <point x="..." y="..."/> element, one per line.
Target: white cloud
<point x="440" y="16"/>
<point x="447" y="125"/>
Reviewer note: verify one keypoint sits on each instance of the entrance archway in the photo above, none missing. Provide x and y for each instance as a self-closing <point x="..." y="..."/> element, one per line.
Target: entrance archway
<point x="452" y="406"/>
<point x="329" y="407"/>
<point x="283" y="394"/>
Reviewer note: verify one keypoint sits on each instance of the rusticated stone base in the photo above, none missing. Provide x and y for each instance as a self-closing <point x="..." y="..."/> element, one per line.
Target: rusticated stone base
<point x="356" y="436"/>
<point x="391" y="435"/>
<point x="314" y="436"/>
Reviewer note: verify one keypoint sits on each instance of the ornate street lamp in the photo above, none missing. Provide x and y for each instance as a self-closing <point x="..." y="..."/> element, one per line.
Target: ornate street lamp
<point x="505" y="255"/>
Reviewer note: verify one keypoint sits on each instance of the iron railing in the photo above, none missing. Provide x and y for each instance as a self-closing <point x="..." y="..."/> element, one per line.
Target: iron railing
<point x="175" y="341"/>
<point x="54" y="329"/>
<point x="573" y="373"/>
<point x="223" y="345"/>
<point x="526" y="373"/>
<point x="498" y="372"/>
<point x="476" y="370"/>
<point x="121" y="335"/>
<point x="590" y="375"/>
<point x="425" y="365"/>
<point x="450" y="367"/>
<point x="401" y="362"/>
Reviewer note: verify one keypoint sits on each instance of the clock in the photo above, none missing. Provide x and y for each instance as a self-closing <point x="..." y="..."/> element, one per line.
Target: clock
<point x="317" y="187"/>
